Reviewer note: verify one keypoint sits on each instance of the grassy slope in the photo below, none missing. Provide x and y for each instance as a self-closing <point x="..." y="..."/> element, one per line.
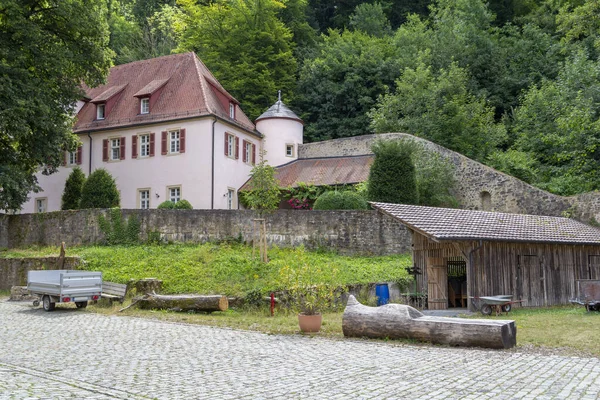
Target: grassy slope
<point x="224" y="269"/>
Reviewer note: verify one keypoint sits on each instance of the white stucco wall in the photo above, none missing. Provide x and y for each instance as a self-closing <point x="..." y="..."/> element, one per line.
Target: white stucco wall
<point x="278" y="133"/>
<point x="190" y="170"/>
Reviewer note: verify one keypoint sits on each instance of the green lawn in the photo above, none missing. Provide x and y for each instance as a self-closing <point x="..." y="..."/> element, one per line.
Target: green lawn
<point x="227" y="269"/>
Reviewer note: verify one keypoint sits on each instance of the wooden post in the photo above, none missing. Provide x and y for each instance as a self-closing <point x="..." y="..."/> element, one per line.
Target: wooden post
<point x="260" y="238"/>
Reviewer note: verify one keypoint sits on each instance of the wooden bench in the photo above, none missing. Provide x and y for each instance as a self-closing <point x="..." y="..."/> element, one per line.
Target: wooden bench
<point x="114" y="291"/>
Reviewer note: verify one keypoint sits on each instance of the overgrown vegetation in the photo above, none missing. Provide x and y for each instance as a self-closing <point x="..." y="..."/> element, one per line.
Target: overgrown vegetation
<point x="170" y="205"/>
<point x="392" y="177"/>
<point x="118" y="231"/>
<point x="341" y="200"/>
<point x="264" y="195"/>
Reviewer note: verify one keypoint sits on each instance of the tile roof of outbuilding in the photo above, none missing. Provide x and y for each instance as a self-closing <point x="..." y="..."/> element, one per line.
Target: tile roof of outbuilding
<point x="447" y="224"/>
<point x="190" y="90"/>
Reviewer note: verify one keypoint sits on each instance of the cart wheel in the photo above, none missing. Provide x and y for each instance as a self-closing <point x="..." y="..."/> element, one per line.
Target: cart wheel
<point x="81" y="304"/>
<point x="36" y="303"/>
<point x="47" y="304"/>
<point x="486" y="309"/>
<point x="506" y="308"/>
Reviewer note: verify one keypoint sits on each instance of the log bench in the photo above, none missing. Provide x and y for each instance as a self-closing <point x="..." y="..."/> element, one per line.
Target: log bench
<point x="114" y="291"/>
<point x="397" y="321"/>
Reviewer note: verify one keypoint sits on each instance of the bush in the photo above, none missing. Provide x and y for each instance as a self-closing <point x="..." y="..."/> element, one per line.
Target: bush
<point x="99" y="191"/>
<point x="72" y="194"/>
<point x="343" y="200"/>
<point x="183" y="205"/>
<point x="118" y="231"/>
<point x="166" y="205"/>
<point x="392" y="178"/>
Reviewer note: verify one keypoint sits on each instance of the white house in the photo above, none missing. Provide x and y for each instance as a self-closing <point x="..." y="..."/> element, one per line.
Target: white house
<point x="166" y="129"/>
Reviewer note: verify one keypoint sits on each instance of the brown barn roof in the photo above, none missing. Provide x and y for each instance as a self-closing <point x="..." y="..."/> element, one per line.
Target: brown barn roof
<point x="323" y="171"/>
<point x="187" y="89"/>
<point x="453" y="224"/>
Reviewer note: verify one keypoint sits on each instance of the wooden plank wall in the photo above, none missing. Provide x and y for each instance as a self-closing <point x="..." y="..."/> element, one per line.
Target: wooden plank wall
<point x="541" y="274"/>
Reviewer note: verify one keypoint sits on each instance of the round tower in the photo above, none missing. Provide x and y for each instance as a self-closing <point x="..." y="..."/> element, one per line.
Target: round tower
<point x="283" y="131"/>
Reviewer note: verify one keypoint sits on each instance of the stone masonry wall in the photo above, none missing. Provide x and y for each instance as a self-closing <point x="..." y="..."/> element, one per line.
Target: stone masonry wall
<point x="479" y="187"/>
<point x="13" y="271"/>
<point x="3" y="231"/>
<point x="348" y="232"/>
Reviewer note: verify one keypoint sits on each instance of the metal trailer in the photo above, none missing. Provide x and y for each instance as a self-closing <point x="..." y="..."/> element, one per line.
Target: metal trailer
<point x="588" y="291"/>
<point x="64" y="286"/>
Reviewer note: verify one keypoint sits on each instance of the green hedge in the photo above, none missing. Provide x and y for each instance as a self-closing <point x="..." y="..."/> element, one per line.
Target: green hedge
<point x="340" y="200"/>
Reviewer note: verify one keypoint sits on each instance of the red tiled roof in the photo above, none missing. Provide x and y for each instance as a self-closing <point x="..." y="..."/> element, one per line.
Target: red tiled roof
<point x="108" y="93"/>
<point x="323" y="171"/>
<point x="190" y="90"/>
<point x="447" y="224"/>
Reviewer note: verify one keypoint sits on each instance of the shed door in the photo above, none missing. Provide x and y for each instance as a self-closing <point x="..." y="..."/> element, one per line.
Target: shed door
<point x="530" y="285"/>
<point x="437" y="284"/>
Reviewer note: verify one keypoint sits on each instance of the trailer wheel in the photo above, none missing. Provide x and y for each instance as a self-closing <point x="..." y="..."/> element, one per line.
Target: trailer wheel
<point x="506" y="308"/>
<point x="486" y="309"/>
<point x="81" y="304"/>
<point x="47" y="304"/>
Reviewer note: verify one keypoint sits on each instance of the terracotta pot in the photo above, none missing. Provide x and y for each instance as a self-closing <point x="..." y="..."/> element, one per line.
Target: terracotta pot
<point x="310" y="323"/>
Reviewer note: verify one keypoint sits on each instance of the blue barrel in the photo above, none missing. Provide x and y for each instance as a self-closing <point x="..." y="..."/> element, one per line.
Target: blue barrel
<point x="383" y="294"/>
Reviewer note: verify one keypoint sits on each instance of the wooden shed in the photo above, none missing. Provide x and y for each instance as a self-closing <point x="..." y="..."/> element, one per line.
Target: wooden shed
<point x="464" y="253"/>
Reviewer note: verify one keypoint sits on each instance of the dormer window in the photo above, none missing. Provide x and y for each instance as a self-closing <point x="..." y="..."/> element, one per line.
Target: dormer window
<point x="145" y="106"/>
<point x="231" y="110"/>
<point x="100" y="111"/>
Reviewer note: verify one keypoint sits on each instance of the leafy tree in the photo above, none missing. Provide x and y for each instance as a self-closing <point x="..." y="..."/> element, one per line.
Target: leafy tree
<point x="264" y="193"/>
<point x="370" y="19"/>
<point x="435" y="176"/>
<point x="339" y="86"/>
<point x="72" y="193"/>
<point x="48" y="49"/>
<point x="99" y="191"/>
<point x="245" y="45"/>
<point x="340" y="200"/>
<point x="441" y="109"/>
<point x="392" y="177"/>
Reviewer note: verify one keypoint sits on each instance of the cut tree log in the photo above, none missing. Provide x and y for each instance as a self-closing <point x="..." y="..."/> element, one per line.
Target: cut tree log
<point x="184" y="302"/>
<point x="398" y="321"/>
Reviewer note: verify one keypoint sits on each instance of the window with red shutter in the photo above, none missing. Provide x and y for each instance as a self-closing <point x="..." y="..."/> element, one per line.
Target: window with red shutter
<point x="237" y="147"/>
<point x="244" y="146"/>
<point x="182" y="140"/>
<point x="79" y="155"/>
<point x="226" y="141"/>
<point x="122" y="148"/>
<point x="152" y="145"/>
<point x="253" y="154"/>
<point x="163" y="143"/>
<point x="134" y="143"/>
<point x="105" y="150"/>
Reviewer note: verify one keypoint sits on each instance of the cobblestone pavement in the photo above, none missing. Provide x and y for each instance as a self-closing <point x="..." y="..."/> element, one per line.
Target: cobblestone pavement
<point x="70" y="354"/>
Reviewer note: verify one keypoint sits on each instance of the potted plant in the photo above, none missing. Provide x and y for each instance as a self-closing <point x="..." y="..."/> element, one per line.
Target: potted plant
<point x="309" y="290"/>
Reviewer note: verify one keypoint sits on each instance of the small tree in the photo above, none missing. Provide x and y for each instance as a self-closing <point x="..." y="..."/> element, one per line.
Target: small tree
<point x="392" y="178"/>
<point x="100" y="191"/>
<point x="264" y="197"/>
<point x="72" y="194"/>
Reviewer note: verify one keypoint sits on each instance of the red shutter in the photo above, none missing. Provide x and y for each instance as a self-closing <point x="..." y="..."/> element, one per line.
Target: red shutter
<point x="152" y="145"/>
<point x="163" y="143"/>
<point x="64" y="160"/>
<point x="244" y="151"/>
<point x="182" y="141"/>
<point x="122" y="148"/>
<point x="79" y="154"/>
<point x="226" y="137"/>
<point x="237" y="147"/>
<point x="134" y="140"/>
<point x="105" y="150"/>
<point x="253" y="154"/>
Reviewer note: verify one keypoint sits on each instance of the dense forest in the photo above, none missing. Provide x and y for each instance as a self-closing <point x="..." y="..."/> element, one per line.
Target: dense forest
<point x="514" y="84"/>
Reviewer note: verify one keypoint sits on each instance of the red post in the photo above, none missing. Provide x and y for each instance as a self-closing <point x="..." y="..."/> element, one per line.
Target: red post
<point x="272" y="303"/>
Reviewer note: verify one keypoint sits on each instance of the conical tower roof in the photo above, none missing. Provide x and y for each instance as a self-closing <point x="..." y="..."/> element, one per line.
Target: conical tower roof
<point x="279" y="110"/>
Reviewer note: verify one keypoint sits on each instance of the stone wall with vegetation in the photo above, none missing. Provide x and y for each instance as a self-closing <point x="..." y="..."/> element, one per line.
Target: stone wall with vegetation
<point x="479" y="186"/>
<point x="348" y="232"/>
<point x="3" y="231"/>
<point x="13" y="271"/>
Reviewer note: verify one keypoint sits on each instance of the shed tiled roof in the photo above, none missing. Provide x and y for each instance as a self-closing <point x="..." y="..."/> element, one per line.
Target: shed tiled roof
<point x="190" y="90"/>
<point x="446" y="224"/>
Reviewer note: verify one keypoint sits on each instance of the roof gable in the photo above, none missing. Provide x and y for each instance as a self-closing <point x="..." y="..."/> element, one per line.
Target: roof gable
<point x="181" y="84"/>
<point x="446" y="224"/>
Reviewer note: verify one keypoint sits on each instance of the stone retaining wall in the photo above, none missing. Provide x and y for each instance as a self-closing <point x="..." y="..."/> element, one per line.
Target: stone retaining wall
<point x="348" y="232"/>
<point x="479" y="186"/>
<point x="13" y="271"/>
